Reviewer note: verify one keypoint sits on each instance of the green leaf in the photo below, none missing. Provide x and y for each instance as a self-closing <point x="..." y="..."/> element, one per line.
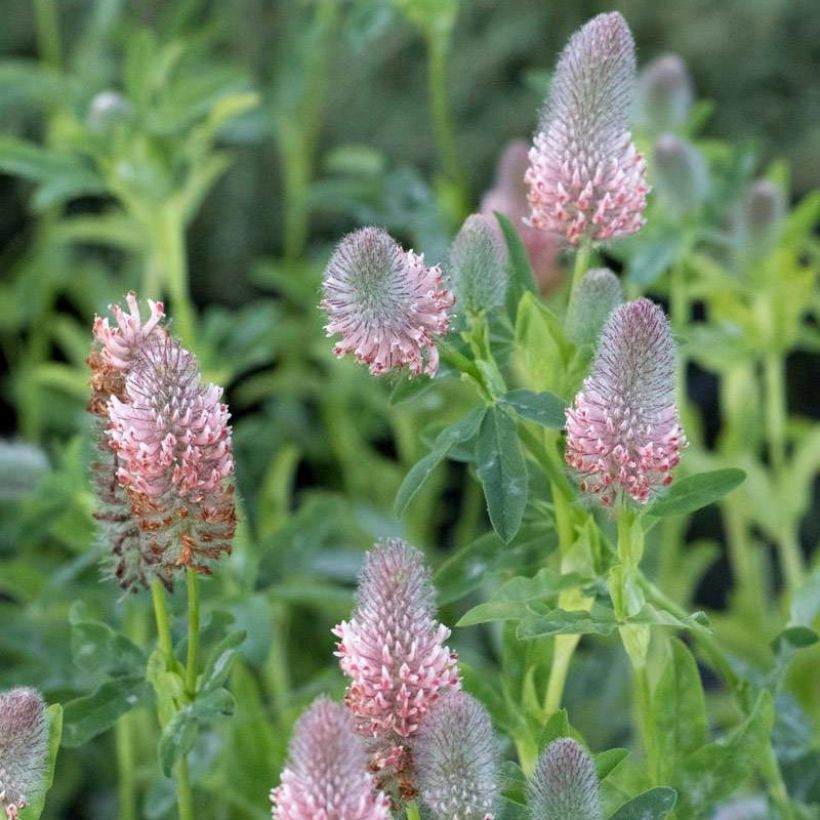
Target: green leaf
<point x="606" y="762"/>
<point x="696" y="491"/>
<point x="556" y="727"/>
<point x="518" y="264"/>
<point x="653" y="257"/>
<point x="544" y="408"/>
<point x="568" y="622"/>
<point x="658" y="617"/>
<point x="221" y="661"/>
<point x="543" y="350"/>
<point x="54" y="718"/>
<point x="679" y="710"/>
<point x="652" y="805"/>
<point x="180" y="734"/>
<point x="502" y="471"/>
<point x="99" y="650"/>
<point x="491" y="611"/>
<point x="462" y="430"/>
<point x="91" y="715"/>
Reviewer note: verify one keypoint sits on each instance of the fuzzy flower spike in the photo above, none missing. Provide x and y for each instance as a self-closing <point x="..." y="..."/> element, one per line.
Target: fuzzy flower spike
<point x="23" y="741"/>
<point x="586" y="179"/>
<point x="623" y="433"/>
<point x="393" y="651"/>
<point x="326" y="776"/>
<point x="385" y="303"/>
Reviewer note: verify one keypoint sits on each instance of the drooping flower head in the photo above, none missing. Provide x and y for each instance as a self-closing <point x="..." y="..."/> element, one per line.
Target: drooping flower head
<point x="326" y="776"/>
<point x="665" y="94"/>
<point x="623" y="433"/>
<point x="456" y="761"/>
<point x="23" y="742"/>
<point x="393" y="651"/>
<point x="564" y="785"/>
<point x="598" y="294"/>
<point x="508" y="196"/>
<point x="385" y="303"/>
<point x="477" y="265"/>
<point x="162" y="476"/>
<point x="586" y="179"/>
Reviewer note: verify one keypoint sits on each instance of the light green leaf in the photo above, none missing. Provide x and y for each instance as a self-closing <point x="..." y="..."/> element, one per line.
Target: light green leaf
<point x="568" y="622"/>
<point x="544" y="408"/>
<point x="696" y="491"/>
<point x="652" y="805"/>
<point x="221" y="661"/>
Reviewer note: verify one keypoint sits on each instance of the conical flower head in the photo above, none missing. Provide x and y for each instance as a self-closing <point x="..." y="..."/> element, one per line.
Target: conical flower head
<point x="326" y="776"/>
<point x="23" y="746"/>
<point x="665" y="94"/>
<point x="393" y="651"/>
<point x="456" y="761"/>
<point x="586" y="179"/>
<point x="598" y="294"/>
<point x="477" y="266"/>
<point x="762" y="214"/>
<point x="623" y="434"/>
<point x="564" y="785"/>
<point x="681" y="174"/>
<point x="385" y="303"/>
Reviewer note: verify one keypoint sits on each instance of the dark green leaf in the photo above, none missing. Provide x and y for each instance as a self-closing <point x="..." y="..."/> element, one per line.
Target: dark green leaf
<point x="221" y="661"/>
<point x="518" y="265"/>
<point x="652" y="805"/>
<point x="89" y="716"/>
<point x="98" y="649"/>
<point x="502" y="471"/>
<point x="462" y="430"/>
<point x="696" y="491"/>
<point x="543" y="408"/>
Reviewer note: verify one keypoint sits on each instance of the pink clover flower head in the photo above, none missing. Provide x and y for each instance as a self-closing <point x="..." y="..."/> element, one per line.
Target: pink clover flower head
<point x="564" y="785"/>
<point x="623" y="432"/>
<point x="394" y="652"/>
<point x="122" y="344"/>
<point x="456" y="761"/>
<point x="326" y="776"/>
<point x="586" y="179"/>
<point x="23" y="747"/>
<point x="385" y="303"/>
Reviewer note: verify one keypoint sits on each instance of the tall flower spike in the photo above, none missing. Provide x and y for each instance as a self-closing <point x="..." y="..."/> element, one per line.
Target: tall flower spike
<point x="599" y="293"/>
<point x="23" y="746"/>
<point x="386" y="304"/>
<point x="171" y="437"/>
<point x="586" y="179"/>
<point x="623" y="434"/>
<point x="564" y="785"/>
<point x="393" y="651"/>
<point x="326" y="776"/>
<point x="456" y="761"/>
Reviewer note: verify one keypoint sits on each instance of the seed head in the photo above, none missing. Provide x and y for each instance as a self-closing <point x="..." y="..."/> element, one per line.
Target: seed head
<point x="681" y="174"/>
<point x="564" y="785"/>
<point x="393" y="651"/>
<point x="623" y="434"/>
<point x="386" y="304"/>
<point x="586" y="178"/>
<point x="477" y="265"/>
<point x="598" y="294"/>
<point x="665" y="94"/>
<point x="456" y="760"/>
<point x="326" y="776"/>
<point x="23" y="747"/>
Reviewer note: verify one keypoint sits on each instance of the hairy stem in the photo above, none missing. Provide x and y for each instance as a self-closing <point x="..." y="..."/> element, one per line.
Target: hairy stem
<point x="193" y="632"/>
<point x="163" y="622"/>
<point x="126" y="785"/>
<point x="185" y="797"/>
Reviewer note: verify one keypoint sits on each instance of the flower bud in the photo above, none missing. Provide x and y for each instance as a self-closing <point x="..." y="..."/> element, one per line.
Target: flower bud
<point x="763" y="212"/>
<point x="681" y="174"/>
<point x="456" y="761"/>
<point x="586" y="179"/>
<point x="598" y="294"/>
<point x="623" y="433"/>
<point x="564" y="785"/>
<point x="477" y="266"/>
<point x="385" y="303"/>
<point x="23" y="747"/>
<point x="665" y="94"/>
<point x="326" y="774"/>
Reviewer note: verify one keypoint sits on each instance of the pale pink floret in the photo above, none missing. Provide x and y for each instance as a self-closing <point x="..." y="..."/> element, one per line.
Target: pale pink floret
<point x="326" y="776"/>
<point x="393" y="650"/>
<point x="586" y="179"/>
<point x="623" y="432"/>
<point x="171" y="432"/>
<point x="385" y="303"/>
<point x="123" y="343"/>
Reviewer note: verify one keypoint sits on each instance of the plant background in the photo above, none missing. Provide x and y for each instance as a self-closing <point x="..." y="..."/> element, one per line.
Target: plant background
<point x="341" y="136"/>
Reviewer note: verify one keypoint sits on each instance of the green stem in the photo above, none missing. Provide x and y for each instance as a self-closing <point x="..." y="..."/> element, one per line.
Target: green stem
<point x="647" y="720"/>
<point x="744" y="563"/>
<point x="48" y="32"/>
<point x="413" y="811"/>
<point x="770" y="770"/>
<point x="185" y="796"/>
<point x="193" y="632"/>
<point x="582" y="256"/>
<point x="126" y="785"/>
<point x="460" y="362"/>
<point x="173" y="260"/>
<point x="437" y="47"/>
<point x="547" y="460"/>
<point x="163" y="623"/>
<point x="563" y="651"/>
